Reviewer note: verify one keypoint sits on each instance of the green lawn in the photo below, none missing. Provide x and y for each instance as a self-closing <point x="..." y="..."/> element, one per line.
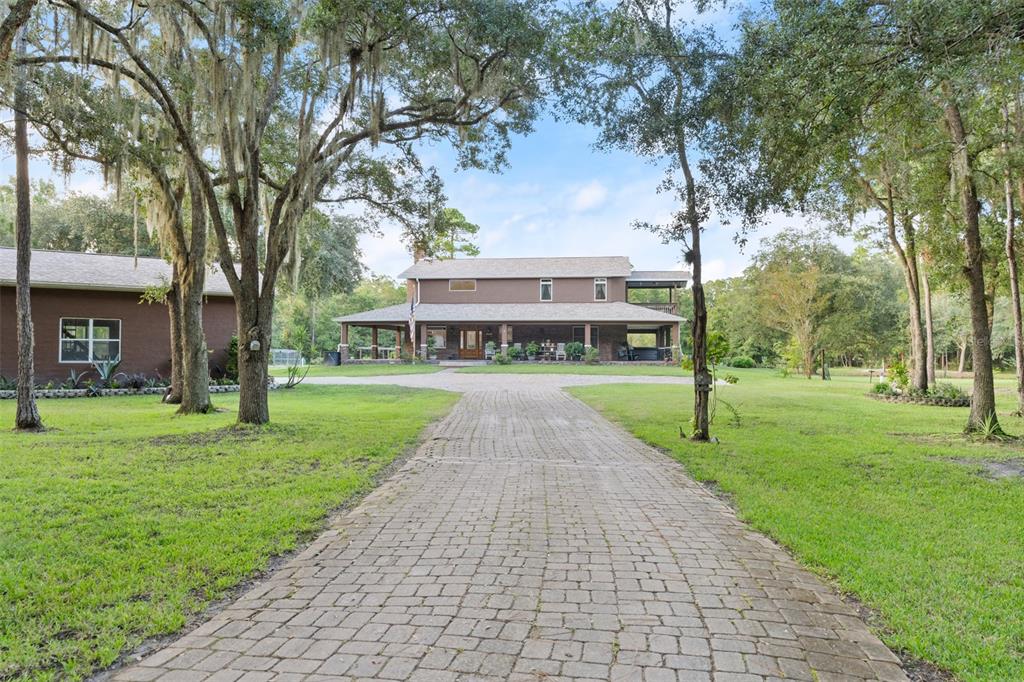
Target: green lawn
<point x="354" y="370"/>
<point x="551" y="368"/>
<point x="864" y="492"/>
<point x="122" y="520"/>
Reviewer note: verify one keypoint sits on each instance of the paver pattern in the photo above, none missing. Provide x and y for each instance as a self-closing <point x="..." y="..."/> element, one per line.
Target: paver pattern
<point x="531" y="540"/>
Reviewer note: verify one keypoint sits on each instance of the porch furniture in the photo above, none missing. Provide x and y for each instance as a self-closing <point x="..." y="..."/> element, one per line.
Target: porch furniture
<point x="488" y="352"/>
<point x="626" y="353"/>
<point x="645" y="354"/>
<point x="364" y="351"/>
<point x="560" y="352"/>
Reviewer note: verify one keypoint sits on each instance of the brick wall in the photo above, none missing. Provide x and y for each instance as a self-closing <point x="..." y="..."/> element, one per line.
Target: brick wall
<point x="145" y="346"/>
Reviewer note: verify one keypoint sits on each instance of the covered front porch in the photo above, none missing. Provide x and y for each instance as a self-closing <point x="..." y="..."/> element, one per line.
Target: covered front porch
<point x="434" y="332"/>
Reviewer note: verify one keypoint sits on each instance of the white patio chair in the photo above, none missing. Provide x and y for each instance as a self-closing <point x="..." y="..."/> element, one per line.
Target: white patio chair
<point x="560" y="352"/>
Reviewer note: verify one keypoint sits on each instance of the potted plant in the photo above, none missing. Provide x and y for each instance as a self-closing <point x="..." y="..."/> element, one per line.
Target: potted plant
<point x="432" y="347"/>
<point x="515" y="353"/>
<point x="532" y="348"/>
<point x="574" y="350"/>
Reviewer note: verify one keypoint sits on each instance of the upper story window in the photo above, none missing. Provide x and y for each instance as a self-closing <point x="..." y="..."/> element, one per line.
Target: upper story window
<point x="547" y="290"/>
<point x="600" y="289"/>
<point x="462" y="285"/>
<point x="86" y="340"/>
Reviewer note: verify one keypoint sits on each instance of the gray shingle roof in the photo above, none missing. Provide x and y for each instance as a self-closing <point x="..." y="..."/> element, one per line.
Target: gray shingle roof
<point x="615" y="311"/>
<point x="71" y="270"/>
<point x="511" y="268"/>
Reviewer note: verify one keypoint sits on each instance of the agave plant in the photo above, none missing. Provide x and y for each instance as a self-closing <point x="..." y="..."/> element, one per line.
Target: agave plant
<point x="75" y="380"/>
<point x="106" y="370"/>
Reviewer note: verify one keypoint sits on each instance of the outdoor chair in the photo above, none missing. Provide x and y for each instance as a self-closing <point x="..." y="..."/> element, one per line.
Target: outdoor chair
<point x="560" y="352"/>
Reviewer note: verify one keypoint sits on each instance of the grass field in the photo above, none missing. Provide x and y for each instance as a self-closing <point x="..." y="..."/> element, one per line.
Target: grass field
<point x="354" y="370"/>
<point x="122" y="519"/>
<point x="551" y="368"/>
<point x="866" y="493"/>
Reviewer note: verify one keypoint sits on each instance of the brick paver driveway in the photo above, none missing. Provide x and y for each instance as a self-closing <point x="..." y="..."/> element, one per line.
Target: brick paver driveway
<point x="529" y="539"/>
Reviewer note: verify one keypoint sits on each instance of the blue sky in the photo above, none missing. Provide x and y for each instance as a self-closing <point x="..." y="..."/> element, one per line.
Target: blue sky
<point x="560" y="197"/>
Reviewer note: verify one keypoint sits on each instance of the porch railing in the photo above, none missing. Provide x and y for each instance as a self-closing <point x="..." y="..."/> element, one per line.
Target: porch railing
<point x="671" y="308"/>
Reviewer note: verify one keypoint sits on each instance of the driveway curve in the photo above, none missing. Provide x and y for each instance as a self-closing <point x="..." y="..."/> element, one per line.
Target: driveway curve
<point x="531" y="540"/>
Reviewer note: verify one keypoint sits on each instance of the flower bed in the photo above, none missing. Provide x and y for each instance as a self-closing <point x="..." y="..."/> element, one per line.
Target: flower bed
<point x="104" y="392"/>
<point x="938" y="401"/>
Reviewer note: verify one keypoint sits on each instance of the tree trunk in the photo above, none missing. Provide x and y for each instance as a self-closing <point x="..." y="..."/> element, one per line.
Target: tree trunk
<point x="174" y="391"/>
<point x="929" y="327"/>
<point x="1011" y="264"/>
<point x="255" y="317"/>
<point x="195" y="393"/>
<point x="907" y="256"/>
<point x="983" y="397"/>
<point x="253" y="353"/>
<point x="961" y="365"/>
<point x="27" y="414"/>
<point x="702" y="378"/>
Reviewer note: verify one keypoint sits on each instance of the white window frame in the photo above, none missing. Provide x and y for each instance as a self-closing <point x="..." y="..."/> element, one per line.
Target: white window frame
<point x="551" y="283"/>
<point x="444" y="337"/>
<point x="461" y="291"/>
<point x="603" y="281"/>
<point x="91" y="339"/>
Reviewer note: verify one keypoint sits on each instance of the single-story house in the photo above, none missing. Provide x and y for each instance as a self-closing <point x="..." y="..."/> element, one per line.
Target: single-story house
<point x="458" y="306"/>
<point x="87" y="308"/>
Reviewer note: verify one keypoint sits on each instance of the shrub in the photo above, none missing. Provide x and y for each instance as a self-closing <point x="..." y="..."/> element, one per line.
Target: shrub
<point x="730" y="378"/>
<point x="503" y="358"/>
<point x="900" y="375"/>
<point x="8" y="384"/>
<point x="532" y="349"/>
<point x="882" y="388"/>
<point x="574" y="350"/>
<point x="231" y="365"/>
<point x="591" y="356"/>
<point x="741" y="362"/>
<point x="515" y="353"/>
<point x="136" y="381"/>
<point x="686" y="363"/>
<point x="948" y="391"/>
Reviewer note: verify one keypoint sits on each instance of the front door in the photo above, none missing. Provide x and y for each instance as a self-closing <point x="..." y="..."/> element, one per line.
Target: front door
<point x="471" y="344"/>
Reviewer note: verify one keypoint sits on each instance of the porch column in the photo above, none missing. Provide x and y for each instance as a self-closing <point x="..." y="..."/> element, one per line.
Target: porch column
<point x="504" y="338"/>
<point x="586" y="336"/>
<point x="423" y="341"/>
<point x="410" y="330"/>
<point x="343" y="346"/>
<point x="373" y="342"/>
<point x="677" y="349"/>
<point x="398" y="342"/>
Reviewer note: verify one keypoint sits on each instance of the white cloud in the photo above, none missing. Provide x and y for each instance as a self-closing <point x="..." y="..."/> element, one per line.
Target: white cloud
<point x="720" y="268"/>
<point x="588" y="197"/>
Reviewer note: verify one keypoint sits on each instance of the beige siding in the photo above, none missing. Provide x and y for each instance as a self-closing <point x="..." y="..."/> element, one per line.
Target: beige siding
<point x="566" y="290"/>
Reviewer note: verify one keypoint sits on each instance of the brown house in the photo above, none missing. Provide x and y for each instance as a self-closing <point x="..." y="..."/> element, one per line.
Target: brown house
<point x="86" y="308"/>
<point x="463" y="304"/>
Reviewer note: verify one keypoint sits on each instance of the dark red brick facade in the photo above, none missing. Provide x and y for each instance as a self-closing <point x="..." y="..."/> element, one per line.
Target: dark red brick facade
<point x="145" y="343"/>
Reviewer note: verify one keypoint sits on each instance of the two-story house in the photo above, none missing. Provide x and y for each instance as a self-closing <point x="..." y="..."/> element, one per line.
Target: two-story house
<point x="464" y="303"/>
